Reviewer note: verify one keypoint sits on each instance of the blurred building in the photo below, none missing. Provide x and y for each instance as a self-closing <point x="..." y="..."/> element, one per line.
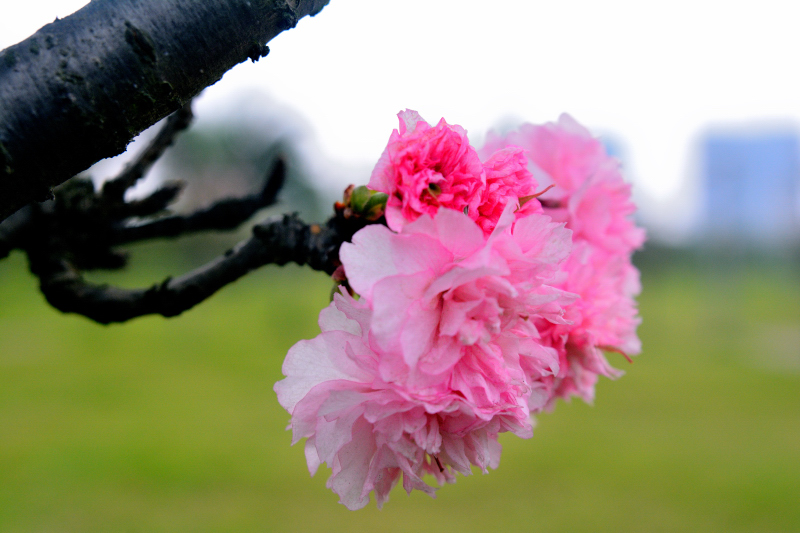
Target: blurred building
<point x="751" y="188"/>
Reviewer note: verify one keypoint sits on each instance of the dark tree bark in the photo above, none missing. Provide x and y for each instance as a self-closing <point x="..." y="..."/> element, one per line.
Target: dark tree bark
<point x="278" y="241"/>
<point x="81" y="88"/>
<point x="81" y="228"/>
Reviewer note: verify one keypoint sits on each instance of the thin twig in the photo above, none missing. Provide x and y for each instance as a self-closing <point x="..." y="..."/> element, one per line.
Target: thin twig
<point x="152" y="204"/>
<point x="276" y="241"/>
<point x="114" y="189"/>
<point x="13" y="230"/>
<point x="222" y="215"/>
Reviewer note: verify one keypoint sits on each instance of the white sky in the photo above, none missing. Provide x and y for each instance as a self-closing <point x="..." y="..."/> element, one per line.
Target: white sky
<point x="653" y="74"/>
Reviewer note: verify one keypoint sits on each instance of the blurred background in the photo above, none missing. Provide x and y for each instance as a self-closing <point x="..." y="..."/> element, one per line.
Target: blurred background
<point x="172" y="424"/>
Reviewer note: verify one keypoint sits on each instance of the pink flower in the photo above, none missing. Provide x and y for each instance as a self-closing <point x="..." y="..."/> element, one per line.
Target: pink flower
<point x="480" y="304"/>
<point x="438" y="356"/>
<point x="426" y="167"/>
<point x="440" y="287"/>
<point x="507" y="180"/>
<point x="590" y="194"/>
<point x="592" y="199"/>
<point x="371" y="432"/>
<point x="603" y="318"/>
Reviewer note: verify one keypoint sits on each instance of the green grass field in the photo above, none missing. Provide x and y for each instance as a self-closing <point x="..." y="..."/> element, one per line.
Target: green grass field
<point x="172" y="425"/>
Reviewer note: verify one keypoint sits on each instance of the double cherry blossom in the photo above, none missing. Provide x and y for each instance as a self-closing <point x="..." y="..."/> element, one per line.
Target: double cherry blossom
<point x="503" y="275"/>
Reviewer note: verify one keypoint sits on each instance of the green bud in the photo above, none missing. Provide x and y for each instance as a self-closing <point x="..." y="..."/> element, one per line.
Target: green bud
<point x="376" y="205"/>
<point x="359" y="198"/>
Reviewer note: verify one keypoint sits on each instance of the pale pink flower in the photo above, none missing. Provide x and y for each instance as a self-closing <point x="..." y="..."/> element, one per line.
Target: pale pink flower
<point x="371" y="432"/>
<point x="438" y="356"/>
<point x="440" y="287"/>
<point x="486" y="303"/>
<point x="426" y="167"/>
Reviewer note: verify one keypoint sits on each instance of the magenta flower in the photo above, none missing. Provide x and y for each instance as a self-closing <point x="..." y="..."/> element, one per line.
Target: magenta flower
<point x="427" y="167"/>
<point x="507" y="180"/>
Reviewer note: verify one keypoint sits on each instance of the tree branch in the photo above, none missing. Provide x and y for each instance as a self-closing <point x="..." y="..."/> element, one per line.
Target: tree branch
<point x="276" y="241"/>
<point x="114" y="189"/>
<point x="222" y="215"/>
<point x="81" y="88"/>
<point x="13" y="231"/>
<point x="79" y="229"/>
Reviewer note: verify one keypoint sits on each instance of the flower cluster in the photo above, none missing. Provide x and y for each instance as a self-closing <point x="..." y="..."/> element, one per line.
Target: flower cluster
<point x="502" y="276"/>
